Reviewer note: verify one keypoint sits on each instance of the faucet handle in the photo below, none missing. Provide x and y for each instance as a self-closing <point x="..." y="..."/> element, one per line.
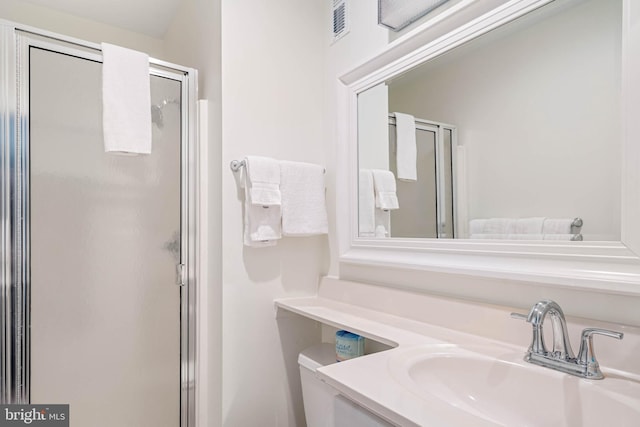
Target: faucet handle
<point x="587" y="356"/>
<point x="519" y="316"/>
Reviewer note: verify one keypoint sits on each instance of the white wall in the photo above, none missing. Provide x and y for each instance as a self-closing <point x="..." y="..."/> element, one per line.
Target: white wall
<point x="541" y="105"/>
<point x="273" y="100"/>
<point x="194" y="40"/>
<point x="85" y="29"/>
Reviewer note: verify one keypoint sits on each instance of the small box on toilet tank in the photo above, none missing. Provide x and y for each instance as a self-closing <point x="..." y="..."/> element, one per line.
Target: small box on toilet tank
<point x="348" y="345"/>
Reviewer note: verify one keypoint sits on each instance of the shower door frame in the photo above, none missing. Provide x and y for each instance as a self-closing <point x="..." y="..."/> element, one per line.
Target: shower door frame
<point x="15" y="42"/>
<point x="438" y="128"/>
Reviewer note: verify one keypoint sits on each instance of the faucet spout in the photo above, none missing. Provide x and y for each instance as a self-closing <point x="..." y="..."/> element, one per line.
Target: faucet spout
<point x="561" y="344"/>
<point x="561" y="356"/>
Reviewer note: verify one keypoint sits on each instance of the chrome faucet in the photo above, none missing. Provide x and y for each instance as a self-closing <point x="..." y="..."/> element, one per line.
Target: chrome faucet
<point x="561" y="357"/>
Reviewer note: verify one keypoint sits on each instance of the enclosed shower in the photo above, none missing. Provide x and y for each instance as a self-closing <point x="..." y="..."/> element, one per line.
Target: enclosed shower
<point x="97" y="265"/>
<point x="428" y="206"/>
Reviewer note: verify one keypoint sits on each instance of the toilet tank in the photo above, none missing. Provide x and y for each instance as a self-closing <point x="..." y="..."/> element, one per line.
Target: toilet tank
<point x="317" y="396"/>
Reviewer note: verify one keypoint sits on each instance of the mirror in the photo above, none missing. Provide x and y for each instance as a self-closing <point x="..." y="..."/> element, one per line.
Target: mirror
<point x="515" y="134"/>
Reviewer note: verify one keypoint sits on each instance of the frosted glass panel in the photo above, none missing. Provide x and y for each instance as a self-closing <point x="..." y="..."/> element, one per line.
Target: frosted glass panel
<point x="105" y="313"/>
<point x="417" y="214"/>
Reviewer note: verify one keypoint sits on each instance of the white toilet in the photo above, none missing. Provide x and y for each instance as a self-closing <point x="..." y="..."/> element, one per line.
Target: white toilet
<point x="323" y="406"/>
<point x="317" y="396"/>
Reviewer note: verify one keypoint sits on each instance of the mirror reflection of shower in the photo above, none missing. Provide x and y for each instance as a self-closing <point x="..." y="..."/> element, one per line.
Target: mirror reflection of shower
<point x="157" y="111"/>
<point x="427" y="204"/>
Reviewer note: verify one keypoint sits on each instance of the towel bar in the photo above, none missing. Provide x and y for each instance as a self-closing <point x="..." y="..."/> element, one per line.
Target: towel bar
<point x="576" y="227"/>
<point x="235" y="165"/>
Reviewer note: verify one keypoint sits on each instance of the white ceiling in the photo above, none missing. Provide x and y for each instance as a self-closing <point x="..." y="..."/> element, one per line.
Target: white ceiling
<point x="150" y="17"/>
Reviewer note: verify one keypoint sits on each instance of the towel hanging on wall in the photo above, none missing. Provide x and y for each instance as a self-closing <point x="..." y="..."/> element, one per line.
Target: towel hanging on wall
<point x="262" y="208"/>
<point x="264" y="176"/>
<point x="304" y="211"/>
<point x="126" y="100"/>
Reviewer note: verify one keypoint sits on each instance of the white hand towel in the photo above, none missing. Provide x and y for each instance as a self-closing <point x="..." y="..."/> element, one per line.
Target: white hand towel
<point x="557" y="226"/>
<point x="406" y="148"/>
<point x="384" y="184"/>
<point x="126" y="99"/>
<point x="528" y="225"/>
<point x="263" y="178"/>
<point x="366" y="204"/>
<point x="261" y="223"/>
<point x="304" y="212"/>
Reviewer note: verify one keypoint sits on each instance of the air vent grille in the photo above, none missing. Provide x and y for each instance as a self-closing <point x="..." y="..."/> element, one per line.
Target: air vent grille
<point x="340" y="22"/>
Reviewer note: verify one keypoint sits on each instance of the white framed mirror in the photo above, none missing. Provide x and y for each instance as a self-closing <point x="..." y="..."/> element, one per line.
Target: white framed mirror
<point x="552" y="80"/>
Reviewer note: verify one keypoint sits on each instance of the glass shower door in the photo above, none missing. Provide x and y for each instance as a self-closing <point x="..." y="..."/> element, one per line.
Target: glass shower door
<point x="417" y="216"/>
<point x="105" y="241"/>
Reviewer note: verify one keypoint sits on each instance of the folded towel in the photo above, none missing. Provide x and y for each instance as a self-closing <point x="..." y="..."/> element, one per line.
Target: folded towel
<point x="384" y="185"/>
<point x="366" y="204"/>
<point x="304" y="212"/>
<point x="499" y="226"/>
<point x="406" y="148"/>
<point x="528" y="225"/>
<point x="126" y="99"/>
<point x="557" y="226"/>
<point x="261" y="223"/>
<point x="263" y="179"/>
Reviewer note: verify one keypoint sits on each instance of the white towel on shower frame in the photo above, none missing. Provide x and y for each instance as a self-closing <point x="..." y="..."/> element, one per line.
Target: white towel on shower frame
<point x="126" y="100"/>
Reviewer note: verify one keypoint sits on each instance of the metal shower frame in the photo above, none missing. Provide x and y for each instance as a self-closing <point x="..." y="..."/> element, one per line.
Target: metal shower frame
<point x="15" y="42"/>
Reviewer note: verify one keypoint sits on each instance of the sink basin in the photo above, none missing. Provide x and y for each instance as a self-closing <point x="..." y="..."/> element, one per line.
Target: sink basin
<point x="495" y="384"/>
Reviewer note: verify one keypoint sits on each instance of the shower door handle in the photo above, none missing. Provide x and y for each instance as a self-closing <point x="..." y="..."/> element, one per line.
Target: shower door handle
<point x="180" y="275"/>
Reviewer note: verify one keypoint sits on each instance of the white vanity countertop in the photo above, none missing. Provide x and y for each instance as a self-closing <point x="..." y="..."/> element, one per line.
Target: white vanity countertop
<point x="380" y="392"/>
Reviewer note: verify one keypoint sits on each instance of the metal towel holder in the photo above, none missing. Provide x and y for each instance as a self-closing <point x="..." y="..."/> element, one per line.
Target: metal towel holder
<point x="235" y="165"/>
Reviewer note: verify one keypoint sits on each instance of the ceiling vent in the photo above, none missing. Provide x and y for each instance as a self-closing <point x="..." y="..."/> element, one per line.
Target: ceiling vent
<point x="339" y="20"/>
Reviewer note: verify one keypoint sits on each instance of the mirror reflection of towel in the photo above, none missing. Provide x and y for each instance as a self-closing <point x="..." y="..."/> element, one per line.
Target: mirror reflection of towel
<point x="407" y="150"/>
<point x="372" y="221"/>
<point x="557" y="225"/>
<point x="384" y="184"/>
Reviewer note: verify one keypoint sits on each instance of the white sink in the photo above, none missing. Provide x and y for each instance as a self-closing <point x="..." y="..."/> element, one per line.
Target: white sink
<point x="494" y="383"/>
